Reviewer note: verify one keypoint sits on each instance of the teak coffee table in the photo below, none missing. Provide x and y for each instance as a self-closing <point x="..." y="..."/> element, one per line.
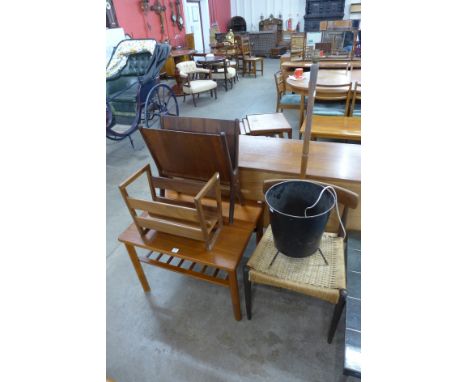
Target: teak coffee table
<point x="190" y="257"/>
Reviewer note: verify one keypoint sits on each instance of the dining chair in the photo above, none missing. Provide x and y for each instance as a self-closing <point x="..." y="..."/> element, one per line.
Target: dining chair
<point x="193" y="83"/>
<point x="249" y="61"/>
<point x="224" y="72"/>
<point x="355" y="109"/>
<point x="332" y="99"/>
<point x="309" y="276"/>
<point x="285" y="100"/>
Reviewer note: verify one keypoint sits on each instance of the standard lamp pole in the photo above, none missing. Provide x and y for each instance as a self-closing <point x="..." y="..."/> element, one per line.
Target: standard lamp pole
<point x="308" y="127"/>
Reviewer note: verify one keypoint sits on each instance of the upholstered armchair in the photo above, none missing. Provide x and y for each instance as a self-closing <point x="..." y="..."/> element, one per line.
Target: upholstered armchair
<point x="196" y="80"/>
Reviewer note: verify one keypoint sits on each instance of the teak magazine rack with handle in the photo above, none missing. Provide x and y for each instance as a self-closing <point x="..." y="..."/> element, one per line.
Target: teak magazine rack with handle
<point x="186" y="219"/>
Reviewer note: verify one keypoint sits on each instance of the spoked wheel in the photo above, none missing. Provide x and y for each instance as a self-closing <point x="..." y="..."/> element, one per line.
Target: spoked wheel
<point x="160" y="101"/>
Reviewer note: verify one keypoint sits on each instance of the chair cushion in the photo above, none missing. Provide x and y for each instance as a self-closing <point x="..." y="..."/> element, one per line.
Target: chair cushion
<point x="329" y="108"/>
<point x="219" y="75"/>
<point x="291" y="99"/>
<point x="305" y="275"/>
<point x="199" y="86"/>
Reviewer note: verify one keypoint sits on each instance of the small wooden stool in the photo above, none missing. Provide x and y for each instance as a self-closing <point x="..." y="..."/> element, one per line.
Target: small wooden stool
<point x="249" y="65"/>
<point x="270" y="125"/>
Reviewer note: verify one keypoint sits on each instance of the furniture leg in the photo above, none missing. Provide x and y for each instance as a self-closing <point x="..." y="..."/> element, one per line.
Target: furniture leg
<point x="255" y="68"/>
<point x="216" y="93"/>
<point x="301" y="111"/>
<point x="337" y="314"/>
<point x="290" y="134"/>
<point x="138" y="268"/>
<point x="248" y="293"/>
<point x="262" y="68"/>
<point x="193" y="98"/>
<point x="259" y="227"/>
<point x="234" y="295"/>
<point x="232" y="204"/>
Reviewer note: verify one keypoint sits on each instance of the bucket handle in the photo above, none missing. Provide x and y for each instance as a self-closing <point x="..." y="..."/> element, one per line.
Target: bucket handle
<point x="335" y="198"/>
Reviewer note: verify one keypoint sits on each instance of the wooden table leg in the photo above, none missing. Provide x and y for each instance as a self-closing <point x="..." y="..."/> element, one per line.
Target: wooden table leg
<point x="290" y="134"/>
<point x="301" y="111"/>
<point x="235" y="295"/>
<point x="138" y="268"/>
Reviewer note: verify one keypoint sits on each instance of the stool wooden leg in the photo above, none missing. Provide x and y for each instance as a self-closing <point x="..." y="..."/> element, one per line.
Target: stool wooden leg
<point x="248" y="293"/>
<point x="262" y="68"/>
<point x="138" y="268"/>
<point x="235" y="295"/>
<point x="337" y="314"/>
<point x="255" y="68"/>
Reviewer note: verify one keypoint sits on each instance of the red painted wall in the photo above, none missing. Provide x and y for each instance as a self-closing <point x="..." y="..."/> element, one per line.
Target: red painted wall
<point x="138" y="25"/>
<point x="220" y="12"/>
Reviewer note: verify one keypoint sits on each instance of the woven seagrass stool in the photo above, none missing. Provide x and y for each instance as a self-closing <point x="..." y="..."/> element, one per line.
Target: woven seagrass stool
<point x="311" y="275"/>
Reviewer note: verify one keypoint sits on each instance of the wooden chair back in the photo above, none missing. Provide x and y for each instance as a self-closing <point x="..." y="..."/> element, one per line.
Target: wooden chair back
<point x="245" y="46"/>
<point x="334" y="93"/>
<point x="346" y="199"/>
<point x="191" y="220"/>
<point x="356" y="96"/>
<point x="280" y="85"/>
<point x="297" y="46"/>
<point x="210" y="126"/>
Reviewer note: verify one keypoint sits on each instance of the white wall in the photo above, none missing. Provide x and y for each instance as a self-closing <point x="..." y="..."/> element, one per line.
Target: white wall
<point x="251" y="10"/>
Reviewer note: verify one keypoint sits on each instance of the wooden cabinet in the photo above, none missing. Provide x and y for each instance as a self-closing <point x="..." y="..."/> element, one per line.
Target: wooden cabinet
<point x="317" y="10"/>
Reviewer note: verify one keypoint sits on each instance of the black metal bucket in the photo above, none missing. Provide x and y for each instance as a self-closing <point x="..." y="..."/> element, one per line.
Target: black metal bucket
<point x="295" y="234"/>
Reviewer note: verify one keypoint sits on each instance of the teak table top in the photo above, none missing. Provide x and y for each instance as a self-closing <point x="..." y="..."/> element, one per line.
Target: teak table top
<point x="267" y="123"/>
<point x="327" y="160"/>
<point x="335" y="127"/>
<point x="325" y="77"/>
<point x="226" y="253"/>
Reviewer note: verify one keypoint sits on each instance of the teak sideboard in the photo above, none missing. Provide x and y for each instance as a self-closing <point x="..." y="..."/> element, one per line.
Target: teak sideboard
<point x="262" y="158"/>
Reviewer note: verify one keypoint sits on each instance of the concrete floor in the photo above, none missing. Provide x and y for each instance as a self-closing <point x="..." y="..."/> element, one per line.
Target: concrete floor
<point x="184" y="329"/>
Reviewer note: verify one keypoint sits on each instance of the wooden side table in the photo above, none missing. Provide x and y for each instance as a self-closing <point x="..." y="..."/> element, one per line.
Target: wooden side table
<point x="271" y="124"/>
<point x="190" y="257"/>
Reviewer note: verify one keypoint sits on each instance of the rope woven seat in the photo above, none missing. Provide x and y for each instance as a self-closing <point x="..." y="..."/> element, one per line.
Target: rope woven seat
<point x="309" y="275"/>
